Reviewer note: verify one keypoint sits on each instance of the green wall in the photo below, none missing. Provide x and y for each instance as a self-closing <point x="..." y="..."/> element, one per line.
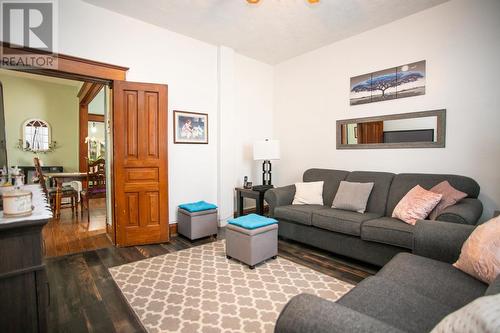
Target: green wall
<point x="26" y="98"/>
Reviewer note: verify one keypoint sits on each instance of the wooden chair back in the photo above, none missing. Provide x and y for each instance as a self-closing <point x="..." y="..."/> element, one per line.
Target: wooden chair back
<point x="40" y="176"/>
<point x="96" y="178"/>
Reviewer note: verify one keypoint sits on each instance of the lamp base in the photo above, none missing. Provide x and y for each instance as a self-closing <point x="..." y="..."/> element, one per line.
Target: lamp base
<point x="266" y="173"/>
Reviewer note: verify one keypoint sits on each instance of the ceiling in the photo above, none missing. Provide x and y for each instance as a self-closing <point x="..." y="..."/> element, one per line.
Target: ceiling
<point x="43" y="78"/>
<point x="273" y="30"/>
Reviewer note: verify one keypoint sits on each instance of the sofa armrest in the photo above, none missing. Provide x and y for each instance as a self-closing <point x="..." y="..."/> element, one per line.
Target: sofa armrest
<point x="307" y="313"/>
<point x="279" y="196"/>
<point x="440" y="240"/>
<point x="466" y="211"/>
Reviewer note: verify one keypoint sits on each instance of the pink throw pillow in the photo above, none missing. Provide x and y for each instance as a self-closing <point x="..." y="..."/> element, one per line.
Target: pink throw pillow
<point x="480" y="255"/>
<point x="416" y="205"/>
<point x="450" y="197"/>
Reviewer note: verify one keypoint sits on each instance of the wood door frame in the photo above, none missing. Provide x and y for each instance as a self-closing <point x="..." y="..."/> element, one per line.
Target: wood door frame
<point x="68" y="67"/>
<point x="87" y="93"/>
<point x="73" y="68"/>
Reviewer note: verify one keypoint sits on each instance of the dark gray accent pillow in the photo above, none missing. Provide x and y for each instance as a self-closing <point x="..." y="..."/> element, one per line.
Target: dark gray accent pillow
<point x="352" y="196"/>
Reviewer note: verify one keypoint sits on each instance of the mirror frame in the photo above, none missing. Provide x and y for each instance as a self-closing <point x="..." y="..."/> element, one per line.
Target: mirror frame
<point x="441" y="131"/>
<point x="23" y="133"/>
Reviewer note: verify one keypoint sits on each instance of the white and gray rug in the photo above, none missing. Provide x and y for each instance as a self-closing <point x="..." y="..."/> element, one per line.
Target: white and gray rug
<point x="199" y="290"/>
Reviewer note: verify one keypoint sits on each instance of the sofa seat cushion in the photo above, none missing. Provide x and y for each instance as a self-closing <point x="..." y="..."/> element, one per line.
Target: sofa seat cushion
<point x="434" y="279"/>
<point x="395" y="305"/>
<point x="342" y="221"/>
<point x="297" y="213"/>
<point x="388" y="230"/>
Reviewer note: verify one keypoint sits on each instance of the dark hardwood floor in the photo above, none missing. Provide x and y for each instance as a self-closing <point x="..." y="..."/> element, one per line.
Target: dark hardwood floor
<point x="84" y="297"/>
<point x="72" y="233"/>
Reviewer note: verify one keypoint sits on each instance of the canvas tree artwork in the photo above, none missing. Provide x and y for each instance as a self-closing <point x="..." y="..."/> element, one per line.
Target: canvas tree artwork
<point x="398" y="82"/>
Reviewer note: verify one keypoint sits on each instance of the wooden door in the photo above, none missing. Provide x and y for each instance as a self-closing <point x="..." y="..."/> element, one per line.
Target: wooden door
<point x="371" y="132"/>
<point x="140" y="176"/>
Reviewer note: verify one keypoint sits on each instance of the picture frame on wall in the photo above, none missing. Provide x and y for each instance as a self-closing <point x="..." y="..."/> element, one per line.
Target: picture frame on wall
<point x="190" y="127"/>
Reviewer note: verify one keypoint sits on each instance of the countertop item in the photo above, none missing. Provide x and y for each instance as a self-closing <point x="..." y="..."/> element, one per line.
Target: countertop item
<point x="41" y="210"/>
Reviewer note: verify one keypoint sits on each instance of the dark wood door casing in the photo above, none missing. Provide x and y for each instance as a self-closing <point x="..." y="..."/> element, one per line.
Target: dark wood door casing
<point x="140" y="163"/>
<point x="371" y="132"/>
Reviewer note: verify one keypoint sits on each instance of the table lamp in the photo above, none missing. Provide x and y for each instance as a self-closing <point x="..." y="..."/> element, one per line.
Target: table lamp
<point x="266" y="150"/>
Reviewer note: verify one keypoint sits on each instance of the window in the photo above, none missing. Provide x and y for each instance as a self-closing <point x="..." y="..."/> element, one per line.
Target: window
<point x="36" y="135"/>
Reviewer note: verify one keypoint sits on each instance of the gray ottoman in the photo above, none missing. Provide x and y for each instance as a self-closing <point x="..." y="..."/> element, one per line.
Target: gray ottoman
<point x="252" y="246"/>
<point x="197" y="224"/>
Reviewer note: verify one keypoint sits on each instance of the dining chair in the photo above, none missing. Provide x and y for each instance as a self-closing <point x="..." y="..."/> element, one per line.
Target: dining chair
<point x="51" y="192"/>
<point x="96" y="184"/>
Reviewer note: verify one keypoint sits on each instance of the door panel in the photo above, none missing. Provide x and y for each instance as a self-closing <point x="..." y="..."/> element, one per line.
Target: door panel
<point x="371" y="132"/>
<point x="140" y="163"/>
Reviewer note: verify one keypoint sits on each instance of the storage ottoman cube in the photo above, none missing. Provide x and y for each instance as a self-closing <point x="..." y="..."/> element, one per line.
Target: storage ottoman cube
<point x="252" y="246"/>
<point x="194" y="225"/>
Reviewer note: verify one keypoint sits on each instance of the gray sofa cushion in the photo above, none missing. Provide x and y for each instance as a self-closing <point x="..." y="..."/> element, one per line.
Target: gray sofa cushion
<point x="310" y="314"/>
<point x="331" y="178"/>
<point x="494" y="287"/>
<point x="378" y="197"/>
<point x="404" y="182"/>
<point x="434" y="279"/>
<point x="297" y="213"/>
<point x="342" y="221"/>
<point x="395" y="305"/>
<point x="388" y="230"/>
<point x="466" y="211"/>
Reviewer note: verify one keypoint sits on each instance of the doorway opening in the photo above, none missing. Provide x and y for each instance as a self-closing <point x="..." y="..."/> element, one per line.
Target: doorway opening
<point x="42" y="116"/>
<point x="138" y="166"/>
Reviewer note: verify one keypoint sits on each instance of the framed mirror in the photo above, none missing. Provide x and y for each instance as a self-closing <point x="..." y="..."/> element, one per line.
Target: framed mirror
<point x="424" y="129"/>
<point x="36" y="135"/>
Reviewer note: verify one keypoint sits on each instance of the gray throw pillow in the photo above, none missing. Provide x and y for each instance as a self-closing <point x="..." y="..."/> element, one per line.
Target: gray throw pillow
<point x="352" y="196"/>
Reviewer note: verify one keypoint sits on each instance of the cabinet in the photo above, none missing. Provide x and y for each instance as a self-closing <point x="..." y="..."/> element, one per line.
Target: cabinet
<point x="24" y="288"/>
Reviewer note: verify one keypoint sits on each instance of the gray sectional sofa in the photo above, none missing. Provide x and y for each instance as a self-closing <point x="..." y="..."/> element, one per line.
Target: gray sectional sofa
<point x="412" y="293"/>
<point x="374" y="236"/>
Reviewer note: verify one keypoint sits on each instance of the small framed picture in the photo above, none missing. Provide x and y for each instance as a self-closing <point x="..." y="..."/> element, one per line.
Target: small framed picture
<point x="190" y="127"/>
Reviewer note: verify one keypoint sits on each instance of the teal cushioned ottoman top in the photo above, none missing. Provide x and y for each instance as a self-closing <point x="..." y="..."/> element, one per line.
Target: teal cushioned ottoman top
<point x="252" y="221"/>
<point x="197" y="206"/>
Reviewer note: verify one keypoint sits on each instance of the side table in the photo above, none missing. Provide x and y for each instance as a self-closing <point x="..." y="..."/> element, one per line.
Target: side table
<point x="258" y="196"/>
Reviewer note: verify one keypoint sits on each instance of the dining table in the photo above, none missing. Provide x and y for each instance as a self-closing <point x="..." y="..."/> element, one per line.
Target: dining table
<point x="63" y="177"/>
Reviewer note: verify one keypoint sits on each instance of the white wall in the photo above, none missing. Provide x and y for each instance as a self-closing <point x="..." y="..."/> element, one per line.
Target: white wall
<point x="156" y="55"/>
<point x="193" y="73"/>
<point x="459" y="40"/>
<point x="226" y="149"/>
<point x="98" y="104"/>
<point x="254" y="116"/>
<point x="246" y="115"/>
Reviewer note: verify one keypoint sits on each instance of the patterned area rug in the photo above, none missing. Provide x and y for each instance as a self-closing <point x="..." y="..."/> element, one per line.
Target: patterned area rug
<point x="199" y="290"/>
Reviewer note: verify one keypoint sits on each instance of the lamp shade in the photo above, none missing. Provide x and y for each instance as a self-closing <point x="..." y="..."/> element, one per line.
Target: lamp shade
<point x="266" y="150"/>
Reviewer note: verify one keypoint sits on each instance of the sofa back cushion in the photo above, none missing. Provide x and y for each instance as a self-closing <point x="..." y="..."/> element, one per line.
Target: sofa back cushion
<point x="332" y="179"/>
<point x="382" y="183"/>
<point x="404" y="182"/>
<point x="494" y="287"/>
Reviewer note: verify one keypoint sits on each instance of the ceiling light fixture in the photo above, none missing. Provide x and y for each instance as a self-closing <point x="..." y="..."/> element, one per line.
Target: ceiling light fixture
<point x="253" y="2"/>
